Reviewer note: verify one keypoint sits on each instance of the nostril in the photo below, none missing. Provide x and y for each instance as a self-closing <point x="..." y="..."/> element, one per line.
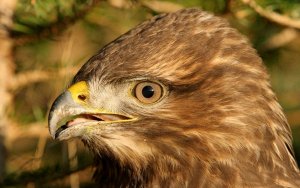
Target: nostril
<point x="82" y="97"/>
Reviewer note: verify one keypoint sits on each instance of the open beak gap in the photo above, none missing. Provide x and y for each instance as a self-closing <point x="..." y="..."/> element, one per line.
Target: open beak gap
<point x="83" y="118"/>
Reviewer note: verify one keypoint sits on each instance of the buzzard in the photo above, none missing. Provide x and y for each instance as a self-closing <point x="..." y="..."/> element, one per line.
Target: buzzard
<point x="182" y="100"/>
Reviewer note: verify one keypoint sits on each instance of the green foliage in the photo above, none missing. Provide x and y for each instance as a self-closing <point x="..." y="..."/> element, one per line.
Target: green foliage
<point x="31" y="17"/>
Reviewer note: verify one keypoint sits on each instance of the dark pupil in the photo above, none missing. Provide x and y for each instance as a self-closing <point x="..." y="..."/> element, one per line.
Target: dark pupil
<point x="148" y="91"/>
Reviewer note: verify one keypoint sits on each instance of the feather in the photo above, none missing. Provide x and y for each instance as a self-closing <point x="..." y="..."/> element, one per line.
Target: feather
<point x="217" y="124"/>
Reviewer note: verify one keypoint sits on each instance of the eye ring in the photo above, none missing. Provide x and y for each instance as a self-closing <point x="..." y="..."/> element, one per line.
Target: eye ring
<point x="148" y="92"/>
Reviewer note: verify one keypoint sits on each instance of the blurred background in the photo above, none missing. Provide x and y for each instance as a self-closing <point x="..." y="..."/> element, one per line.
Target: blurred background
<point x="44" y="42"/>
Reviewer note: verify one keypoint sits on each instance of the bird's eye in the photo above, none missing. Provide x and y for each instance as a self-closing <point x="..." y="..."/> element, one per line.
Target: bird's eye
<point x="148" y="92"/>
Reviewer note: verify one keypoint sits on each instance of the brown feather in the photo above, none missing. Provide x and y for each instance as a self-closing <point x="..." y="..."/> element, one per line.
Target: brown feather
<point x="219" y="126"/>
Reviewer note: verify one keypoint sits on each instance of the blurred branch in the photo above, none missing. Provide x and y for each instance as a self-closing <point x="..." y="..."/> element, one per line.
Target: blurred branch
<point x="41" y="176"/>
<point x="73" y="162"/>
<point x="38" y="129"/>
<point x="280" y="39"/>
<point x="161" y="6"/>
<point x="6" y="67"/>
<point x="26" y="78"/>
<point x="40" y="151"/>
<point x="228" y="5"/>
<point x="278" y="18"/>
<point x="120" y="3"/>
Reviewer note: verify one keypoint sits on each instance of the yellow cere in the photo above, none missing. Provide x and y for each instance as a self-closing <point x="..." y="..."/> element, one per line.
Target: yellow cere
<point x="79" y="91"/>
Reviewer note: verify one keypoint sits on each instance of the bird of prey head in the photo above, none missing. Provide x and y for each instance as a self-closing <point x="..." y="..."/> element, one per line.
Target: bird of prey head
<point x="182" y="100"/>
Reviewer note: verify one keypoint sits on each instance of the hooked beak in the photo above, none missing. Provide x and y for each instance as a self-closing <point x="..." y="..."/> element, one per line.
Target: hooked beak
<point x="71" y="116"/>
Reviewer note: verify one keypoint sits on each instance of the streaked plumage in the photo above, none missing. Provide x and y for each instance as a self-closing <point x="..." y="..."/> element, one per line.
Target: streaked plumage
<point x="217" y="122"/>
